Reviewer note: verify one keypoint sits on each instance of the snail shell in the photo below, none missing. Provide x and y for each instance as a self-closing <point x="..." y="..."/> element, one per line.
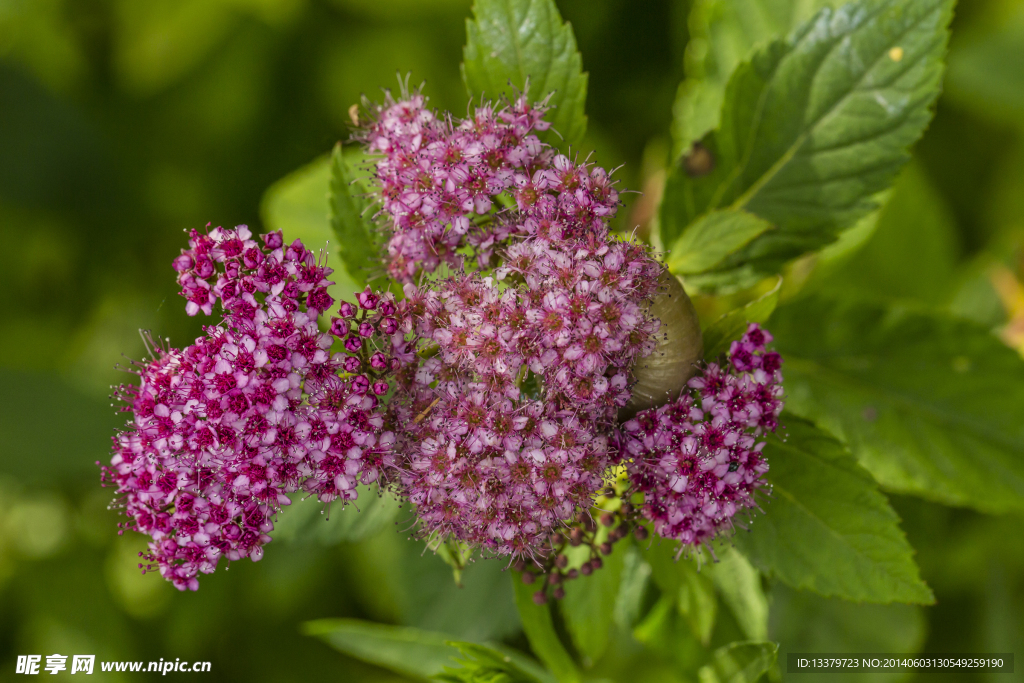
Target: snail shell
<point x="661" y="376"/>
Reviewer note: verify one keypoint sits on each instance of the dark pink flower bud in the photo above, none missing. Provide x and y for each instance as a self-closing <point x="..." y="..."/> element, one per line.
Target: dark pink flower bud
<point x="365" y="330"/>
<point x="352" y="364"/>
<point x="353" y="344"/>
<point x="387" y="308"/>
<point x="339" y="327"/>
<point x="252" y="257"/>
<point x="346" y="310"/>
<point x="389" y="326"/>
<point x="273" y="240"/>
<point x="367" y="299"/>
<point x="378" y="361"/>
<point x="380" y="387"/>
<point x="182" y="263"/>
<point x="204" y="266"/>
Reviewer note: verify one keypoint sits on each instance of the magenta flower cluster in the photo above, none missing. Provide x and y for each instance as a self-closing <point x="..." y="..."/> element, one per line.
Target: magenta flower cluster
<point x="253" y="410"/>
<point x="697" y="461"/>
<point x="489" y="396"/>
<point x="439" y="176"/>
<point x="506" y="430"/>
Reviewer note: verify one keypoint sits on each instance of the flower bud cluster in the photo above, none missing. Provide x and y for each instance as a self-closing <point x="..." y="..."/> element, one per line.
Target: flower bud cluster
<point x="697" y="461"/>
<point x="253" y="410"/>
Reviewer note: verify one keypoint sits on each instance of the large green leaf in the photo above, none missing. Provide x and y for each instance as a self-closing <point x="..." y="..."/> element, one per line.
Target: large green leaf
<point x="356" y="233"/>
<point x="409" y="651"/>
<point x="739" y="663"/>
<point x="826" y="526"/>
<point x="589" y="604"/>
<point x="815" y="125"/>
<point x="724" y="33"/>
<point x="928" y="403"/>
<point x="540" y="631"/>
<point x="512" y="42"/>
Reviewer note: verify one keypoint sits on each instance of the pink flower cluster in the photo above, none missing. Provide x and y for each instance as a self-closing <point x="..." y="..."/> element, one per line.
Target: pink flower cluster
<point x="505" y="426"/>
<point x="488" y="398"/>
<point x="253" y="410"/>
<point x="439" y="178"/>
<point x="697" y="460"/>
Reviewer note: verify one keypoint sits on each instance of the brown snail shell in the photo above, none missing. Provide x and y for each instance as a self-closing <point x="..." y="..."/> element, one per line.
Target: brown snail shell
<point x="661" y="376"/>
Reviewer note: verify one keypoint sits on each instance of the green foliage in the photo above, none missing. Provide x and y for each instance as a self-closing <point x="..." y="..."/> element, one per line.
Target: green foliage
<point x="985" y="72"/>
<point x="514" y="43"/>
<point x="422" y="655"/>
<point x="358" y="238"/>
<point x="124" y="122"/>
<point x="826" y="526"/>
<point x="482" y="664"/>
<point x="911" y="252"/>
<point x="723" y="34"/>
<point x="680" y="580"/>
<point x="636" y="574"/>
<point x="712" y="238"/>
<point x="540" y="631"/>
<point x="588" y="607"/>
<point x="922" y="399"/>
<point x="739" y="663"/>
<point x="805" y="622"/>
<point x="739" y="584"/>
<point x="309" y="519"/>
<point x="812" y="127"/>
<point x="731" y="326"/>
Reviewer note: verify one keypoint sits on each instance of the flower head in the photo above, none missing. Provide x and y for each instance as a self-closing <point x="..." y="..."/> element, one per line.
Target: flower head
<point x="254" y="410"/>
<point x="697" y="461"/>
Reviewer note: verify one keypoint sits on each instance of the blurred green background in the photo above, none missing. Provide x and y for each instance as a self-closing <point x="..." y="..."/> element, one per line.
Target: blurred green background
<point x="125" y="122"/>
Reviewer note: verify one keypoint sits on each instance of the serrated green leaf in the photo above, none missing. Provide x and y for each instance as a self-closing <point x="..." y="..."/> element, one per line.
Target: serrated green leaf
<point x="482" y="664"/>
<point x="540" y="631"/>
<point x="739" y="584"/>
<point x="692" y="589"/>
<point x="731" y="326"/>
<point x="707" y="242"/>
<point x="411" y="652"/>
<point x="298" y="205"/>
<point x="826" y="526"/>
<point x="815" y="125"/>
<point x="510" y="42"/>
<point x="929" y="404"/>
<point x="356" y="234"/>
<point x="724" y="33"/>
<point x="739" y="663"/>
<point x="589" y="604"/>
